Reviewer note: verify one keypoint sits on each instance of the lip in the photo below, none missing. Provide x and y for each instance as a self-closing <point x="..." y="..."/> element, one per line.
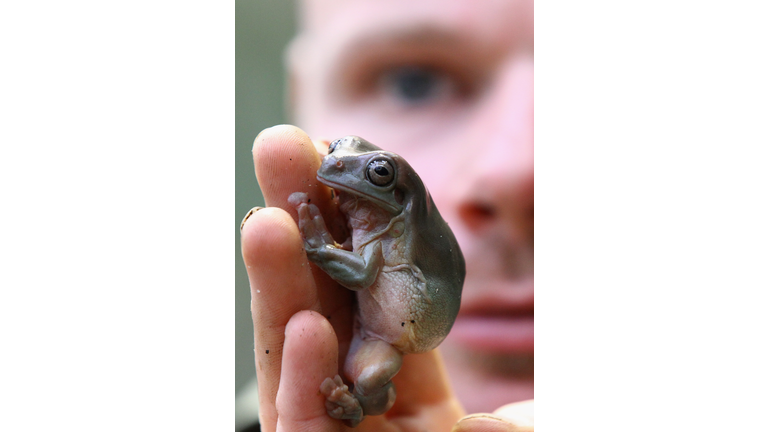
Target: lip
<point x="499" y="320"/>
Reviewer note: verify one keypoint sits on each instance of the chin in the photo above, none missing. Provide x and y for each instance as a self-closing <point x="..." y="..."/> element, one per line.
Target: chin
<point x="486" y="381"/>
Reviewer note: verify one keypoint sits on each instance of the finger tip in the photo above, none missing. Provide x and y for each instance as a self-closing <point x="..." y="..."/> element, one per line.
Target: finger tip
<point x="313" y="320"/>
<point x="285" y="161"/>
<point x="519" y="413"/>
<point x="278" y="133"/>
<point x="280" y="140"/>
<point x="267" y="235"/>
<point x="309" y="334"/>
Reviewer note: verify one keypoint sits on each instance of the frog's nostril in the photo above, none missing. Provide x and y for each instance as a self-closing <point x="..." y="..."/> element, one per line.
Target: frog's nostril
<point x="339" y="164"/>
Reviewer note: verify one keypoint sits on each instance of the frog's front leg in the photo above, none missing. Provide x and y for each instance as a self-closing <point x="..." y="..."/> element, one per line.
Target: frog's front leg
<point x="353" y="270"/>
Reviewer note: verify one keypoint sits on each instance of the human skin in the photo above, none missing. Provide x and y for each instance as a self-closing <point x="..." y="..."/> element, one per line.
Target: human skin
<point x="469" y="135"/>
<point x="302" y="318"/>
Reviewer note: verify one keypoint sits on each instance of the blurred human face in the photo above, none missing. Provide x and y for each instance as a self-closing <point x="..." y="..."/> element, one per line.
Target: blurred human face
<point x="448" y="84"/>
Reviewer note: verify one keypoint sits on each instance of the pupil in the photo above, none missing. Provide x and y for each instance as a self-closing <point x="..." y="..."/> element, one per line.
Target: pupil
<point x="414" y="84"/>
<point x="380" y="170"/>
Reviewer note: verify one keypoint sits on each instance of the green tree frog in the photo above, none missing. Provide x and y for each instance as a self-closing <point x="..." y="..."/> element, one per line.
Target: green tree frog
<point x="402" y="260"/>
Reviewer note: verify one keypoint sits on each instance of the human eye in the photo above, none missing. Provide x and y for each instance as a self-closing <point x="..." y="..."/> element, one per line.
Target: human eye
<point x="407" y="79"/>
<point x="416" y="85"/>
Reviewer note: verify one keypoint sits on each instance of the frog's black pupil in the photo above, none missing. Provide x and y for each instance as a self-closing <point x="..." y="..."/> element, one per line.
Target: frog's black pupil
<point x="380" y="173"/>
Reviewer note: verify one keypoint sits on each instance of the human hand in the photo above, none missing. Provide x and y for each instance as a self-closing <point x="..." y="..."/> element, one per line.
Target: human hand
<point x="303" y="319"/>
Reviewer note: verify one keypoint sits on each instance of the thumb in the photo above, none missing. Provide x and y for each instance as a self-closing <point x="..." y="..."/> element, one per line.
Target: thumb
<point x="514" y="417"/>
<point x="488" y="423"/>
<point x="519" y="413"/>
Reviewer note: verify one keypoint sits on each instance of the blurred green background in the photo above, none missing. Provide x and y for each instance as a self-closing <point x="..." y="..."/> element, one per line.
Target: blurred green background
<point x="262" y="30"/>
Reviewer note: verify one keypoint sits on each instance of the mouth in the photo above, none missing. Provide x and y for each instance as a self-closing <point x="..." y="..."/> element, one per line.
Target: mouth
<point x="338" y="187"/>
<point x="498" y="321"/>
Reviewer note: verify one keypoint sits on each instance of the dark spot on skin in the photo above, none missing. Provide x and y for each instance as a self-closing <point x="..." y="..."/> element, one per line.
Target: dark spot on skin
<point x="309" y="200"/>
<point x="290" y="158"/>
<point x="328" y="317"/>
<point x="402" y="324"/>
<point x="412" y="321"/>
<point x="267" y="351"/>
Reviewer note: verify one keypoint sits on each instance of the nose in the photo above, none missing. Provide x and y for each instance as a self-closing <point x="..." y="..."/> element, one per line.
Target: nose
<point x="497" y="199"/>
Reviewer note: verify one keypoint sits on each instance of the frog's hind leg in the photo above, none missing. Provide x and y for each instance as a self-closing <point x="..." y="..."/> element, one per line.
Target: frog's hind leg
<point x="370" y="364"/>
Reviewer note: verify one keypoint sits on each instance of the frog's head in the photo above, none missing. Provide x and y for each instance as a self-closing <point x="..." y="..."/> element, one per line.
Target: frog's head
<point x="358" y="167"/>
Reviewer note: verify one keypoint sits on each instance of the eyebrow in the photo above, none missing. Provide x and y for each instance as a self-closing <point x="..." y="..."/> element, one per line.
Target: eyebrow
<point x="381" y="44"/>
<point x="392" y="41"/>
<point x="411" y="34"/>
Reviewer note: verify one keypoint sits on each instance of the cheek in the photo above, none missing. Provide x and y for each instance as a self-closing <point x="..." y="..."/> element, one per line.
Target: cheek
<point x="442" y="173"/>
<point x="437" y="172"/>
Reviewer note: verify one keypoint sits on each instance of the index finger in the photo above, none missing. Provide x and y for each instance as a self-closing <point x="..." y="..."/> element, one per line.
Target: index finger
<point x="286" y="161"/>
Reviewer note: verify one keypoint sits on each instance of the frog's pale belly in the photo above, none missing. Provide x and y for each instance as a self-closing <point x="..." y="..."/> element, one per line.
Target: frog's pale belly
<point x="395" y="310"/>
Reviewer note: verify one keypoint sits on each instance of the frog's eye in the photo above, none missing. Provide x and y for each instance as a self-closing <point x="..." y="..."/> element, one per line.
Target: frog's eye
<point x="333" y="146"/>
<point x="380" y="172"/>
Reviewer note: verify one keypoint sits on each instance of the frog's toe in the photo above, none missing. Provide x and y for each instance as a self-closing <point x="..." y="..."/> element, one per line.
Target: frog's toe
<point x="340" y="403"/>
<point x="298" y="198"/>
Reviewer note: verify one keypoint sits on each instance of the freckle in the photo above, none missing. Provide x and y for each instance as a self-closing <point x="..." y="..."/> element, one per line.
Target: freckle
<point x="402" y="324"/>
<point x="267" y="351"/>
<point x="309" y="200"/>
<point x="412" y="321"/>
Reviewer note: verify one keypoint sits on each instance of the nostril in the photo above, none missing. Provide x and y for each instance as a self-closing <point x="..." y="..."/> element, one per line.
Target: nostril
<point x="477" y="215"/>
<point x="339" y="164"/>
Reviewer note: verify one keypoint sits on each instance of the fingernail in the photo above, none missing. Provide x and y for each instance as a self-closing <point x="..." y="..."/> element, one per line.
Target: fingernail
<point x="487" y="422"/>
<point x="247" y="215"/>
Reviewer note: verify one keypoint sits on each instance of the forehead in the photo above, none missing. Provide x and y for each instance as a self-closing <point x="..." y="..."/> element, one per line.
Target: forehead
<point x="484" y="21"/>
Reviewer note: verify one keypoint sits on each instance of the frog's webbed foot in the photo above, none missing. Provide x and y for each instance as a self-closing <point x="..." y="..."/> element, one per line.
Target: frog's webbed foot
<point x="340" y="403"/>
<point x="372" y="364"/>
<point x="311" y="224"/>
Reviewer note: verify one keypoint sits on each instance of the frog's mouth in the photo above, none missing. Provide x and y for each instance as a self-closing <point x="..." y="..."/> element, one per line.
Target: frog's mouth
<point x="342" y="188"/>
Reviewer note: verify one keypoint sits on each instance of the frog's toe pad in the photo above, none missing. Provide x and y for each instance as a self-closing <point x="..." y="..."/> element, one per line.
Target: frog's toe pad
<point x="298" y="198"/>
<point x="340" y="403"/>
